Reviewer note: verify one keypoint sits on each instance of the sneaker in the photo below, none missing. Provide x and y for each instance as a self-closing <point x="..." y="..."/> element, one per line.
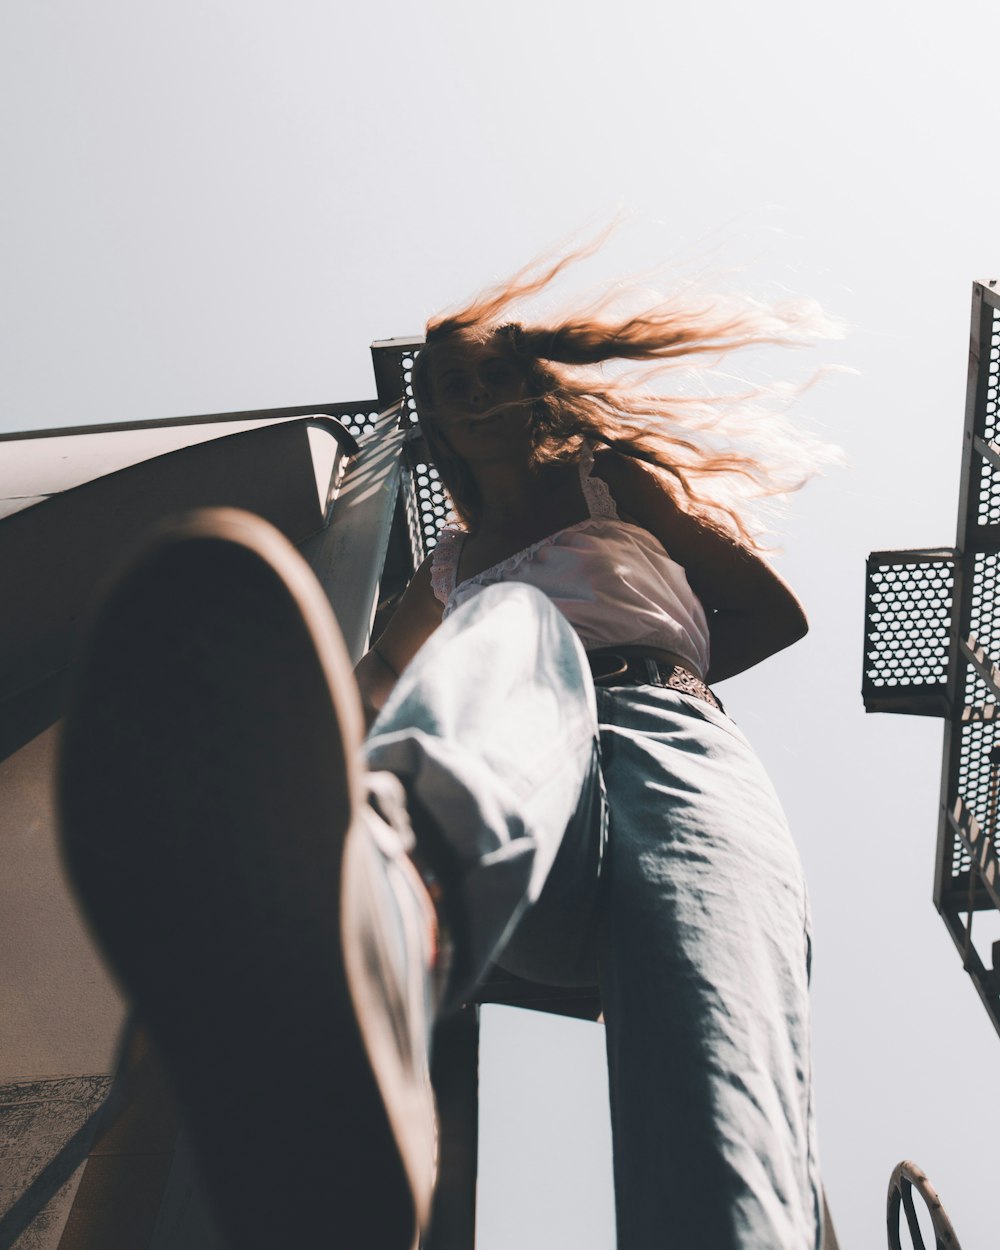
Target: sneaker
<point x="264" y="919"/>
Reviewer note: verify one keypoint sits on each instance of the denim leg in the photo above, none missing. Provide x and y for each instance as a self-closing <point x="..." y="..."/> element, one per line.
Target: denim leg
<point x="492" y="730"/>
<point x="704" y="980"/>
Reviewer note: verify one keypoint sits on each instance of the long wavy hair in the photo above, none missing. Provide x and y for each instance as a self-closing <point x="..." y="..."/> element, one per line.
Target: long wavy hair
<point x="719" y="454"/>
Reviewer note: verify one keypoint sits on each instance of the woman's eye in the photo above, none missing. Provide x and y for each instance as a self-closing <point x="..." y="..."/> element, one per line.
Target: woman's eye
<point x="454" y="386"/>
<point x="499" y="372"/>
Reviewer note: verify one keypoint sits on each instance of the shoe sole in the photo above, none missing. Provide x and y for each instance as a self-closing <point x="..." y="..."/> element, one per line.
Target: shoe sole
<point x="207" y="788"/>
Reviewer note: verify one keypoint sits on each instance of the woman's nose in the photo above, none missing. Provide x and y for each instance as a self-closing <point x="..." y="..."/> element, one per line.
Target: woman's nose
<point x="479" y="394"/>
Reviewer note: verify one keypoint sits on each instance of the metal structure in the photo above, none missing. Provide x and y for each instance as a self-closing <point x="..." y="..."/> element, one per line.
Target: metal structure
<point x="906" y="1178"/>
<point x="932" y="648"/>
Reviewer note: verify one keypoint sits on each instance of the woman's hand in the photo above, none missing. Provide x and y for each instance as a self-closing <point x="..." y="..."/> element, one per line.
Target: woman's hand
<point x="416" y="617"/>
<point x="752" y="612"/>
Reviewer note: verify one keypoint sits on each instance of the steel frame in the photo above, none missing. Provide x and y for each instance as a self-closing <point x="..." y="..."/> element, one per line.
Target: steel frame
<point x="947" y="602"/>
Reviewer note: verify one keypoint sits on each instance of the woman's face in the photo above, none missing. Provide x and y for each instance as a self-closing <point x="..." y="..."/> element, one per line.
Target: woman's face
<point x="481" y="400"/>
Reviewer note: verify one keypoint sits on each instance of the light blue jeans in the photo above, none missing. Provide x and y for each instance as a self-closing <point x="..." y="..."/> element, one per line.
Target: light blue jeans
<point x="629" y="837"/>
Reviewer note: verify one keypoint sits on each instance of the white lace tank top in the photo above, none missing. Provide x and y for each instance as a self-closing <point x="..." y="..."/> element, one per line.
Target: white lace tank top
<point x="612" y="580"/>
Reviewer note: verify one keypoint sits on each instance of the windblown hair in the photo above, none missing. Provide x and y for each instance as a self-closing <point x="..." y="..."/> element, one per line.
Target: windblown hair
<point x="718" y="454"/>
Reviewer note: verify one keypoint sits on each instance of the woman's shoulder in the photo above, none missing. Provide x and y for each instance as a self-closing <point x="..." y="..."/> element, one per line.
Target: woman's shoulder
<point x="629" y="483"/>
<point x="614" y="467"/>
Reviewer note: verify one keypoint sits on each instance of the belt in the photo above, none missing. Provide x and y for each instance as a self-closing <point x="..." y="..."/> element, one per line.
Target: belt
<point x="610" y="668"/>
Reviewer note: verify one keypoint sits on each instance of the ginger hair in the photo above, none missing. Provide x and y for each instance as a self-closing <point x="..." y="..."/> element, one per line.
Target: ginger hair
<point x="719" y="455"/>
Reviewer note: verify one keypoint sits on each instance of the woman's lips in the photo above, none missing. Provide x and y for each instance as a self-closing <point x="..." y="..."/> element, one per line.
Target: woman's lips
<point x="474" y="423"/>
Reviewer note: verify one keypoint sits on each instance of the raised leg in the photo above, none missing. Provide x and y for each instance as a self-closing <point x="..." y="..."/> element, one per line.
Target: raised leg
<point x="251" y="883"/>
<point x="268" y="927"/>
<point x="492" y="731"/>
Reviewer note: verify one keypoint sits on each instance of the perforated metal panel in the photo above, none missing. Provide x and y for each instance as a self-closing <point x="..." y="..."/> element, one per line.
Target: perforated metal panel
<point x="359" y="420"/>
<point x="907" y="628"/>
<point x="432" y="501"/>
<point x="979" y="728"/>
<point x="406" y="360"/>
<point x="984" y="601"/>
<point x="393" y="360"/>
<point x="972" y="782"/>
<point x="988" y="504"/>
<point x="932" y="647"/>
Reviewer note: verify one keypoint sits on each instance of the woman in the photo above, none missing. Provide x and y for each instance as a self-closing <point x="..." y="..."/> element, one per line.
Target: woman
<point x="548" y="781"/>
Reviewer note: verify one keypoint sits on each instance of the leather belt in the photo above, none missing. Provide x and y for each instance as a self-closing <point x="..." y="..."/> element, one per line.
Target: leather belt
<point x="613" y="669"/>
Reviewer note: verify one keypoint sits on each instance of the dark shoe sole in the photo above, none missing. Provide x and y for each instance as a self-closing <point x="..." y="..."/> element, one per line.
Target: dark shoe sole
<point x="206" y="796"/>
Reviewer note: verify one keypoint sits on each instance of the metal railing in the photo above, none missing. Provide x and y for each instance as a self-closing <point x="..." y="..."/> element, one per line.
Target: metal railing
<point x="906" y="1178"/>
<point x="932" y="648"/>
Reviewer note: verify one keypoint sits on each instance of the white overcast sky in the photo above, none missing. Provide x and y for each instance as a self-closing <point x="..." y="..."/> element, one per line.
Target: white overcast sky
<point x="217" y="205"/>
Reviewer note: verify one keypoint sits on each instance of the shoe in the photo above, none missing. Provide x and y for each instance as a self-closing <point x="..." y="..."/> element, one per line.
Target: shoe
<point x="262" y="916"/>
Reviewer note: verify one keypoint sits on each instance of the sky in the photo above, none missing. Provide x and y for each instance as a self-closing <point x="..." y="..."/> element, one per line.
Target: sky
<point x="217" y="206"/>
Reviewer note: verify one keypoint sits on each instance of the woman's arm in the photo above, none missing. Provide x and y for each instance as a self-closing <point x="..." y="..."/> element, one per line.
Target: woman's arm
<point x="416" y="617"/>
<point x="752" y="612"/>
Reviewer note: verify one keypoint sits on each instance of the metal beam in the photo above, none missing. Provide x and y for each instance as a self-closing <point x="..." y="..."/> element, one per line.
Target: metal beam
<point x="326" y="409"/>
<point x="349" y="556"/>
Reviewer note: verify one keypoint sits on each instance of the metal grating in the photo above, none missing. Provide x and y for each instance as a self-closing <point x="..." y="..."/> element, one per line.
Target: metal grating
<point x="393" y="361"/>
<point x="932" y="647"/>
<point x="984" y="506"/>
<point x="432" y="501"/>
<point x="984" y="601"/>
<point x="978" y="733"/>
<point x="976" y="740"/>
<point x="406" y="359"/>
<point x="359" y="422"/>
<point x="990" y="402"/>
<point x="432" y="498"/>
<point x="907" y="631"/>
<point x="991" y="338"/>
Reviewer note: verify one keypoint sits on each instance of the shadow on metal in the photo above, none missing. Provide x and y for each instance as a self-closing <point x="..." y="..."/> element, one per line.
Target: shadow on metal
<point x="906" y="1178"/>
<point x="54" y="554"/>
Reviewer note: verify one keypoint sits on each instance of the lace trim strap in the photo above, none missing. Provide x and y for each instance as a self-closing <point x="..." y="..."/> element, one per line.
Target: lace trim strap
<point x="444" y="562"/>
<point x="595" y="489"/>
